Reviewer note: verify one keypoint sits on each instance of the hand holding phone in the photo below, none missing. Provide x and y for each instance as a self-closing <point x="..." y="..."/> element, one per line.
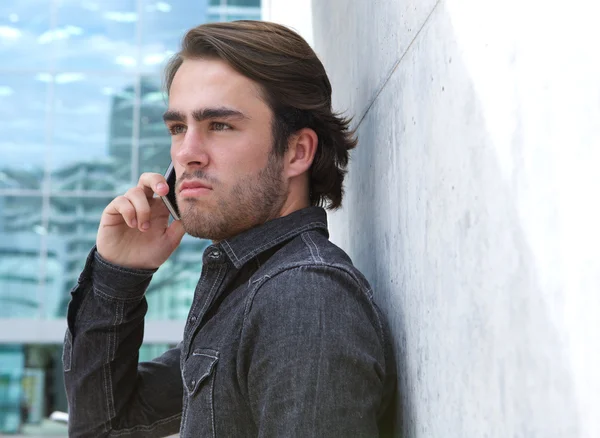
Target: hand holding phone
<point x="134" y="229"/>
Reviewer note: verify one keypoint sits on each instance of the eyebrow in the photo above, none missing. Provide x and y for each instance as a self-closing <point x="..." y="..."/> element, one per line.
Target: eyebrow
<point x="204" y="114"/>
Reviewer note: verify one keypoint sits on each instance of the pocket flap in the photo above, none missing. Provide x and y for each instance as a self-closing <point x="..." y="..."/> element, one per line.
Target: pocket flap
<point x="198" y="367"/>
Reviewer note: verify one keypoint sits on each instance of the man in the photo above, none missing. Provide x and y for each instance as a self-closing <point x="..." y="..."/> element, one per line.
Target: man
<point x="283" y="338"/>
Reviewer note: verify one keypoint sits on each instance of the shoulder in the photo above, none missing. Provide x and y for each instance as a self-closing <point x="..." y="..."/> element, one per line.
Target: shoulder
<point x="310" y="276"/>
<point x="311" y="254"/>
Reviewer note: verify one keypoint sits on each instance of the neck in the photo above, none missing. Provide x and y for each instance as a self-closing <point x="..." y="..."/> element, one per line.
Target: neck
<point x="297" y="195"/>
<point x="292" y="205"/>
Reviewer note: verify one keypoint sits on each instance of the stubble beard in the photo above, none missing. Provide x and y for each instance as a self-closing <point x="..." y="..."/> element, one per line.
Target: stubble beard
<point x="253" y="200"/>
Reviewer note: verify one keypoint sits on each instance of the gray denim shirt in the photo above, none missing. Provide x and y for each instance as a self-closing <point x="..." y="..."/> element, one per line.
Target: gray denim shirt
<point x="283" y="339"/>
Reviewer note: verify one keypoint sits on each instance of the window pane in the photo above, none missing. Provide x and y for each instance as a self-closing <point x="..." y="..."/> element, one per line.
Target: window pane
<point x="72" y="228"/>
<point x="21" y="232"/>
<point x="32" y="387"/>
<point x="23" y="112"/>
<point x="231" y="11"/>
<point x="245" y="16"/>
<point x="25" y="37"/>
<point x="151" y="351"/>
<point x="155" y="141"/>
<point x="12" y="365"/>
<point x="93" y="128"/>
<point x="248" y="3"/>
<point x="96" y="35"/>
<point x="254" y="3"/>
<point x="31" y="381"/>
<point x="164" y="25"/>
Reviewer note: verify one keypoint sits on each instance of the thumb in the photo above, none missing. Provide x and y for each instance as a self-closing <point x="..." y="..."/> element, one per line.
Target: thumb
<point x="175" y="233"/>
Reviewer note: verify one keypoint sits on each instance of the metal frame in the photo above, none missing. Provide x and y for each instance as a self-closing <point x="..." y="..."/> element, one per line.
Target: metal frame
<point x="24" y="331"/>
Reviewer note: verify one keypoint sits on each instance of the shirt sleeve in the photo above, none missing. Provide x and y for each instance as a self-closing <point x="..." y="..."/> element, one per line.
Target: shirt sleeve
<point x="108" y="392"/>
<point x="313" y="356"/>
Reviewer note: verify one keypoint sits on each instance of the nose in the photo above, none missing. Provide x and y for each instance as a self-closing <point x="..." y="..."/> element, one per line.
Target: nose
<point x="191" y="151"/>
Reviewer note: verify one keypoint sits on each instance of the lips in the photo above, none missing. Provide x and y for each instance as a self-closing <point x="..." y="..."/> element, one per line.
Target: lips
<point x="194" y="188"/>
<point x="193" y="185"/>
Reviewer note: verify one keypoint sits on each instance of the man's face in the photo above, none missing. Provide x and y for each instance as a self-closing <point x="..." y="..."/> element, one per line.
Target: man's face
<point x="228" y="179"/>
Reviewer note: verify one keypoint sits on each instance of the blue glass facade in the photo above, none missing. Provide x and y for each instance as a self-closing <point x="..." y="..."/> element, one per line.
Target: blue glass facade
<point x="81" y="117"/>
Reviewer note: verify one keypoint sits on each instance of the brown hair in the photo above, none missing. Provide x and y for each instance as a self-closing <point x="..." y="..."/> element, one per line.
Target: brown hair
<point x="295" y="86"/>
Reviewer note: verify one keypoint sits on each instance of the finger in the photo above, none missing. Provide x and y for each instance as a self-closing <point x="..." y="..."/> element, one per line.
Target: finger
<point x="158" y="209"/>
<point x="121" y="206"/>
<point x="138" y="199"/>
<point x="153" y="183"/>
<point x="175" y="233"/>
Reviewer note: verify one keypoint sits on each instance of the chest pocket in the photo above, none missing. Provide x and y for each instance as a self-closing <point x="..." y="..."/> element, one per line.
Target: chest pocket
<point x="198" y="379"/>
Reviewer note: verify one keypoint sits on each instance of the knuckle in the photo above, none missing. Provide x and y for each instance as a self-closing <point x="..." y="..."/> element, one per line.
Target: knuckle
<point x="118" y="201"/>
<point x="128" y="211"/>
<point x="133" y="192"/>
<point x="147" y="177"/>
<point x="124" y="205"/>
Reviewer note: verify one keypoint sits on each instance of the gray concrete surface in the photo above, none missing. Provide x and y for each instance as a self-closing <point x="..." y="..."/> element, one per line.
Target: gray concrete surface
<point x="472" y="204"/>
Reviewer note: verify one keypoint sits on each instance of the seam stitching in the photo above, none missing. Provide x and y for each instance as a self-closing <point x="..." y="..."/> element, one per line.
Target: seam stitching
<point x="206" y="303"/>
<point x="212" y="407"/>
<point x="309" y="248"/>
<point x="316" y="247"/>
<point x="117" y="299"/>
<point x="231" y="249"/>
<point x="144" y="427"/>
<point x="276" y="240"/>
<point x="148" y="272"/>
<point x="206" y="355"/>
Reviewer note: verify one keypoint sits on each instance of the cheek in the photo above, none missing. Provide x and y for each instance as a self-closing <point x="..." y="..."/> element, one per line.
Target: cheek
<point x="239" y="159"/>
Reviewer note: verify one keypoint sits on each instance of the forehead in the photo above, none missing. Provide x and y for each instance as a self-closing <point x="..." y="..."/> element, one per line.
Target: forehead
<point x="204" y="83"/>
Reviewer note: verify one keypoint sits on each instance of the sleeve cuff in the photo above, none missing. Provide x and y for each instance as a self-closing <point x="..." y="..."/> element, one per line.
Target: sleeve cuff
<point x="117" y="282"/>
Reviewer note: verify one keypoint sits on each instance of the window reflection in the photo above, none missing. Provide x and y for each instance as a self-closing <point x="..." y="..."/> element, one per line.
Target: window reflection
<point x="81" y="106"/>
<point x="96" y="35"/>
<point x="12" y="364"/>
<point x="155" y="141"/>
<point x="93" y="133"/>
<point x="24" y="27"/>
<point x="23" y="115"/>
<point x="231" y="10"/>
<point x="72" y="226"/>
<point x="21" y="231"/>
<point x="163" y="26"/>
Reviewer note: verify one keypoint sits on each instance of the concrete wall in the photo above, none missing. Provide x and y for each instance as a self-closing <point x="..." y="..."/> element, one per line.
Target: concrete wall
<point x="296" y="14"/>
<point x="473" y="204"/>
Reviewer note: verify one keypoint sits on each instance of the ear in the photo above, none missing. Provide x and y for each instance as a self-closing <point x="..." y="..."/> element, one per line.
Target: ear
<point x="301" y="152"/>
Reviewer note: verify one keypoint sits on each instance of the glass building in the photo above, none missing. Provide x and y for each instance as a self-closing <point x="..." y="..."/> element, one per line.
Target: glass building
<point x="81" y="106"/>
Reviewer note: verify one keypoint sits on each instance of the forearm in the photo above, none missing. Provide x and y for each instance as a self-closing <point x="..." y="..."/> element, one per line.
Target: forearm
<point x="107" y="393"/>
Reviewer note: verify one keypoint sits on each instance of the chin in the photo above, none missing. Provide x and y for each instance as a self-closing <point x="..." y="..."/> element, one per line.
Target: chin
<point x="201" y="226"/>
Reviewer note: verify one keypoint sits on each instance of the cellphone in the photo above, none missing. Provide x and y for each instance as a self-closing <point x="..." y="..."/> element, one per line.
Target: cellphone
<point x="170" y="200"/>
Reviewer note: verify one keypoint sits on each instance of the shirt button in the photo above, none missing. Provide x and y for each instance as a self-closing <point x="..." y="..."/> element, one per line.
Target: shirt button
<point x="193" y="318"/>
<point x="215" y="254"/>
<point x="193" y="383"/>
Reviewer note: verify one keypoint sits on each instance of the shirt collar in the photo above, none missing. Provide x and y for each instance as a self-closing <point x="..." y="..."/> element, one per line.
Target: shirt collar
<point x="241" y="248"/>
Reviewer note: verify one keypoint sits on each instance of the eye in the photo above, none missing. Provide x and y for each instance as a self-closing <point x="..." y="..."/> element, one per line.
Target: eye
<point x="220" y="126"/>
<point x="177" y="129"/>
